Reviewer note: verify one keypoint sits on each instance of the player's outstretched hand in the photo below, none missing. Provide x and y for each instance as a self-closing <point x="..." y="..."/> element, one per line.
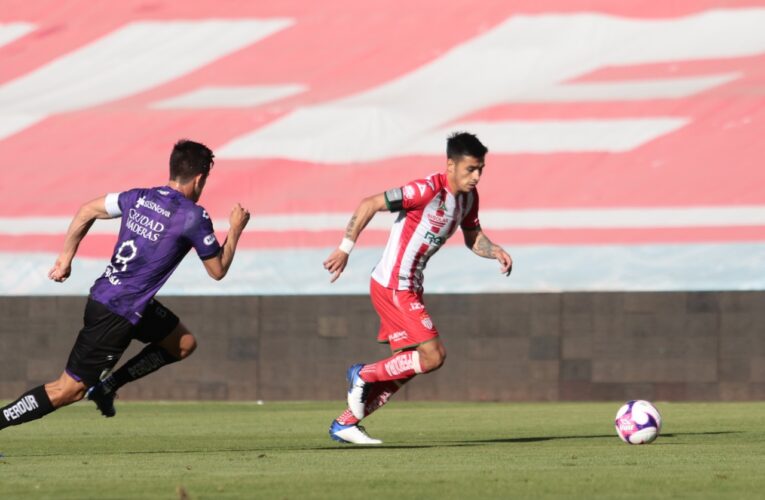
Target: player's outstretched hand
<point x="239" y="217"/>
<point x="505" y="261"/>
<point x="336" y="263"/>
<point x="60" y="270"/>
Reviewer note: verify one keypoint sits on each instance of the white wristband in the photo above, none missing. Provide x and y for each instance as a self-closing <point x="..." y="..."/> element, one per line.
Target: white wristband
<point x="346" y="245"/>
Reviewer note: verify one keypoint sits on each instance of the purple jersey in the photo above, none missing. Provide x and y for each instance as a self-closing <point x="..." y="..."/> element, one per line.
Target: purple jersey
<point x="159" y="226"/>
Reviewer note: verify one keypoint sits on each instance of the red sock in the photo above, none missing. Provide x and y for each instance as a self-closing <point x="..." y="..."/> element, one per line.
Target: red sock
<point x="381" y="393"/>
<point x="403" y="365"/>
<point x="347" y="418"/>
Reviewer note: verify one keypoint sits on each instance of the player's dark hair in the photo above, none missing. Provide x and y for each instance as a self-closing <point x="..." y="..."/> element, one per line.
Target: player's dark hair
<point x="462" y="144"/>
<point x="190" y="159"/>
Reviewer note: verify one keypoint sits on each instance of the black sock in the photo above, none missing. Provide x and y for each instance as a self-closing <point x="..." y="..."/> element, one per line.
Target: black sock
<point x="149" y="360"/>
<point x="32" y="405"/>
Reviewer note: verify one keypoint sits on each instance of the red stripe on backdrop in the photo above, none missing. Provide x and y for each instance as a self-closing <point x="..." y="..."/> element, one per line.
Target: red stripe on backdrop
<point x="71" y="158"/>
<point x="103" y="245"/>
<point x="714" y="160"/>
<point x="706" y="175"/>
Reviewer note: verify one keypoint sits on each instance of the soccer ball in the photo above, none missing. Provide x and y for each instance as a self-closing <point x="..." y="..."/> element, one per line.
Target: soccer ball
<point x="638" y="422"/>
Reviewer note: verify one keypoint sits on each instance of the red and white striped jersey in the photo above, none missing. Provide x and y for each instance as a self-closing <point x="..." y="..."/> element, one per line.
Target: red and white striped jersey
<point x="428" y="215"/>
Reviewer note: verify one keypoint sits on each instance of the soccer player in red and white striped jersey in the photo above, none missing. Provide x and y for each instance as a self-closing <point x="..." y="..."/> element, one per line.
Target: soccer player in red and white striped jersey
<point x="429" y="212"/>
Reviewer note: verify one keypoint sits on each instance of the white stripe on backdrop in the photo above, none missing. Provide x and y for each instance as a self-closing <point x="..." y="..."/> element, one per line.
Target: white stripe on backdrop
<point x="730" y="266"/>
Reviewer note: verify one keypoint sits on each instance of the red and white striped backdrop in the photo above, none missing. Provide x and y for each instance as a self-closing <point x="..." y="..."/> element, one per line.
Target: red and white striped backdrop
<point x="627" y="125"/>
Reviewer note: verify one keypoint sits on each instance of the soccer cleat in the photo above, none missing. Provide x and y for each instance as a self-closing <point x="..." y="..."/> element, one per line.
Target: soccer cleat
<point x="104" y="402"/>
<point x="353" y="434"/>
<point x="357" y="390"/>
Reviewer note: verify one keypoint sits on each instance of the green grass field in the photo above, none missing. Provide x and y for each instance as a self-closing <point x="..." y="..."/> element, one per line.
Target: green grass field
<point x="431" y="450"/>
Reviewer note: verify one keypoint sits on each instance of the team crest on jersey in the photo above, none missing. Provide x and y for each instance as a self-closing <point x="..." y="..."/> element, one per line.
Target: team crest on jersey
<point x="426" y="321"/>
<point x="408" y="192"/>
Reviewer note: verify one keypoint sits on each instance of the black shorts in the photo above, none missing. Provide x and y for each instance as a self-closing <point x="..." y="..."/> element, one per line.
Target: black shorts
<point x="105" y="336"/>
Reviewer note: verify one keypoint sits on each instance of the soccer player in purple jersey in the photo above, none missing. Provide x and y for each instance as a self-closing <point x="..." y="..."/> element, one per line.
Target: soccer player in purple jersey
<point x="159" y="226"/>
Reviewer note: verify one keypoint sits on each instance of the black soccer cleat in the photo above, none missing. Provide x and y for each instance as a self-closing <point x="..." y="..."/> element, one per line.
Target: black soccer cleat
<point x="104" y="402"/>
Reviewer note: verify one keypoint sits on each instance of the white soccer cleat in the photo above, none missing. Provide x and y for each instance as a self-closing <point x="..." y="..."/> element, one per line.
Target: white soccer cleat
<point x="357" y="391"/>
<point x="354" y="434"/>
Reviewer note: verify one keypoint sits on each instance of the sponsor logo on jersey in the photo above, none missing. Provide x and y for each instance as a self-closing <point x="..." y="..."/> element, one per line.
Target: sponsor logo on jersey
<point x="25" y="404"/>
<point x="434" y="239"/>
<point x="143" y="225"/>
<point x="437" y="220"/>
<point x="416" y="306"/>
<point x="125" y="253"/>
<point x="209" y="239"/>
<point x="408" y="192"/>
<point x="143" y="202"/>
<point x="109" y="274"/>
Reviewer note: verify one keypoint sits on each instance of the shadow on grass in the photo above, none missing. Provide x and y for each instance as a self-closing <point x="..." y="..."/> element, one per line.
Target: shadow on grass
<point x="595" y="436"/>
<point x="346" y="447"/>
<point x="536" y="439"/>
<point x="339" y="447"/>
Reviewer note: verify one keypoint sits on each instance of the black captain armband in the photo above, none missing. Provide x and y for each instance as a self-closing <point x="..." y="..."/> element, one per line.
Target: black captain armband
<point x="394" y="199"/>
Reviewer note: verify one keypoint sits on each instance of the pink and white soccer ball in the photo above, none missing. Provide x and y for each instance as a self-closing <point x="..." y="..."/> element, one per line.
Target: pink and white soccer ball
<point x="638" y="422"/>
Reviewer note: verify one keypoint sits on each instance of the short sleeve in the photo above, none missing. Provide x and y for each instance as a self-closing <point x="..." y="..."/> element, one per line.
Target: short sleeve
<point x="201" y="234"/>
<point x="124" y="200"/>
<point x="470" y="220"/>
<point x="411" y="196"/>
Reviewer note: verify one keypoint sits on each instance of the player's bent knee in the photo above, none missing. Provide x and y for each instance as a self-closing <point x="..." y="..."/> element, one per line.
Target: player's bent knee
<point x="438" y="361"/>
<point x="75" y="395"/>
<point x="64" y="399"/>
<point x="180" y="343"/>
<point x="440" y="357"/>
<point x="431" y="364"/>
<point x="432" y="359"/>
<point x="188" y="348"/>
<point x="65" y="392"/>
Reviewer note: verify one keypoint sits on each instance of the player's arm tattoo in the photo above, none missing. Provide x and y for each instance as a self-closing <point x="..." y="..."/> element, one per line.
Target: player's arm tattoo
<point x="350" y="227"/>
<point x="364" y="212"/>
<point x="484" y="247"/>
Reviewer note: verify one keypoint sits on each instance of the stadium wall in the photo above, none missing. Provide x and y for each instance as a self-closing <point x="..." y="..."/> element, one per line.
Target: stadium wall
<point x="502" y="347"/>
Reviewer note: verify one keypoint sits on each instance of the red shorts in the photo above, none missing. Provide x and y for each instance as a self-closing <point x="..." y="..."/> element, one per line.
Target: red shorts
<point x="404" y="321"/>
